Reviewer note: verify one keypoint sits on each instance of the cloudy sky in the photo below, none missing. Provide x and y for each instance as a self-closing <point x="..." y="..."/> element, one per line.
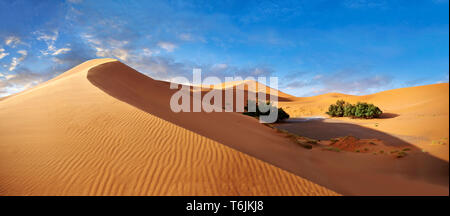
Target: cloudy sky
<point x="348" y="46"/>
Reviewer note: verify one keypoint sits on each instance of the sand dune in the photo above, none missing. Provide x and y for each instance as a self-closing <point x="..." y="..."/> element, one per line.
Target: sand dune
<point x="103" y="128"/>
<point x="68" y="137"/>
<point x="249" y="85"/>
<point x="417" y="115"/>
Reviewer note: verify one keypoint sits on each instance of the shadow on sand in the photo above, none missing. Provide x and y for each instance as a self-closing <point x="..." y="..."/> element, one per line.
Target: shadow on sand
<point x="319" y="129"/>
<point x="388" y="115"/>
<point x="348" y="174"/>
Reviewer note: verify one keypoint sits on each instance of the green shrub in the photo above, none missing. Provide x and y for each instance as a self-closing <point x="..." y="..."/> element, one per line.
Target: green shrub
<point x="360" y="110"/>
<point x="349" y="110"/>
<point x="282" y="115"/>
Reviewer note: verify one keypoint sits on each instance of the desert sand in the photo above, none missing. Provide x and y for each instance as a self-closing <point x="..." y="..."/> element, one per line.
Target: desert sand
<point x="68" y="137"/>
<point x="249" y="85"/>
<point x="414" y="115"/>
<point x="103" y="128"/>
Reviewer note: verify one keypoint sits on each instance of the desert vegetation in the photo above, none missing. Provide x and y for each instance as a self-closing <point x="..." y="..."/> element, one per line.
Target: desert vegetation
<point x="358" y="110"/>
<point x="282" y="115"/>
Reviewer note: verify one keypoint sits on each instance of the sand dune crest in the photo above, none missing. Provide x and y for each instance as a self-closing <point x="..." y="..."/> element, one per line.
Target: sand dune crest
<point x="74" y="139"/>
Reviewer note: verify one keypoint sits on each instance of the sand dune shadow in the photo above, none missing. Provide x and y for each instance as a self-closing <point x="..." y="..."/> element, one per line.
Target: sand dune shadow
<point x="323" y="129"/>
<point x="246" y="135"/>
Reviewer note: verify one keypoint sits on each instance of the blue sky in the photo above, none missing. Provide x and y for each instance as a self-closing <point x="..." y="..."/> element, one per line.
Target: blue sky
<point x="313" y="47"/>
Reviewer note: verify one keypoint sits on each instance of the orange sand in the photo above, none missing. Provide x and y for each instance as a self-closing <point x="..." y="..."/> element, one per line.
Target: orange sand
<point x="68" y="137"/>
<point x="103" y="128"/>
<point x="417" y="115"/>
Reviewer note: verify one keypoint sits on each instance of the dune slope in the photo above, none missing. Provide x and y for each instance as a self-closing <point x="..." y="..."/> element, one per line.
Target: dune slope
<point x="68" y="137"/>
<point x="417" y="115"/>
<point x="103" y="128"/>
<point x="244" y="134"/>
<point x="251" y="85"/>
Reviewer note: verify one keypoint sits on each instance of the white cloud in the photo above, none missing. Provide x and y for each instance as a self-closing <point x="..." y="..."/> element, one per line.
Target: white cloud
<point x="48" y="37"/>
<point x="7" y="76"/>
<point x="109" y="48"/>
<point x="14" y="64"/>
<point x="61" y="51"/>
<point x="12" y="41"/>
<point x="10" y="76"/>
<point x="169" y="47"/>
<point x="50" y="40"/>
<point x="349" y="81"/>
<point x="117" y="43"/>
<point x="101" y="52"/>
<point x="90" y="39"/>
<point x="16" y="61"/>
<point x="21" y="80"/>
<point x="121" y="54"/>
<point x="23" y="52"/>
<point x="3" y="53"/>
<point x="149" y="52"/>
<point x="445" y="80"/>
